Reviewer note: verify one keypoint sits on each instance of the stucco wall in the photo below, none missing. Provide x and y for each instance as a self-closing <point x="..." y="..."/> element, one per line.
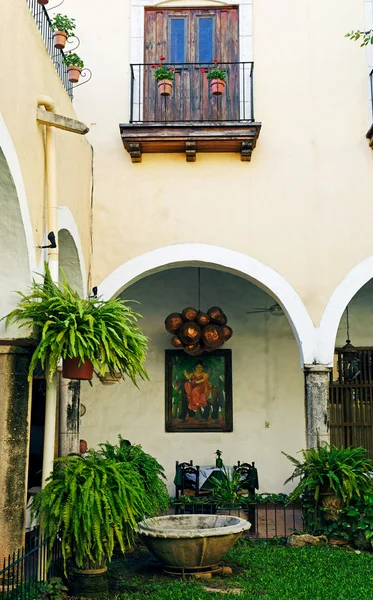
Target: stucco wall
<point x="26" y="72"/>
<point x="268" y="384"/>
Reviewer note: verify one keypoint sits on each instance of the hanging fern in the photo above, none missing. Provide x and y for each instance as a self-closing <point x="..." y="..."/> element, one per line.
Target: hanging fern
<point x="102" y="331"/>
<point x="93" y="503"/>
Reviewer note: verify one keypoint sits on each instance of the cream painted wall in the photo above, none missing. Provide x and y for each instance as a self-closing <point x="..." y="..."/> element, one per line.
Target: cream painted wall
<point x="360" y="315"/>
<point x="303" y="204"/>
<point x="26" y="74"/>
<point x="268" y="384"/>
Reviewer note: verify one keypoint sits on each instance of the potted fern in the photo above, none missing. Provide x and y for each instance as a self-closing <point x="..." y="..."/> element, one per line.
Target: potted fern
<point x="74" y="66"/>
<point x="63" y="28"/>
<point x="93" y="503"/>
<point x="86" y="333"/>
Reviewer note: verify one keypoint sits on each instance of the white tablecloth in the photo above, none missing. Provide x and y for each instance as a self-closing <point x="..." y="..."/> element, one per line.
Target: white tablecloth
<point x="206" y="471"/>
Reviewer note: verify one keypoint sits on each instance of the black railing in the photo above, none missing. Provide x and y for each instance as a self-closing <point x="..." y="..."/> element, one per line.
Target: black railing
<point x="24" y="572"/>
<point x="43" y="22"/>
<point x="191" y="98"/>
<point x="268" y="520"/>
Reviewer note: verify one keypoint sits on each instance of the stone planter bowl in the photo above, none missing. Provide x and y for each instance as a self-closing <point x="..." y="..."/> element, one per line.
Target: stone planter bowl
<point x="191" y="541"/>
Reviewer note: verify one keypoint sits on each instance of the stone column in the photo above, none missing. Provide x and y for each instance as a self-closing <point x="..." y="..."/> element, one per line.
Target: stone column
<point x="69" y="407"/>
<point x="317" y="404"/>
<point x="15" y="403"/>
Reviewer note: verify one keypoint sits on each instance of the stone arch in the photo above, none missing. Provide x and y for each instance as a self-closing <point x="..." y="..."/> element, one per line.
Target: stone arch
<point x="17" y="248"/>
<point x="226" y="260"/>
<point x="71" y="258"/>
<point x="342" y="295"/>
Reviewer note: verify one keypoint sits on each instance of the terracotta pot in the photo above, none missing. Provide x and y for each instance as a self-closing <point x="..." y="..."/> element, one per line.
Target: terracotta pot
<point x="165" y="87"/>
<point x="73" y="73"/>
<point x="43" y="2"/>
<point x="72" y="370"/>
<point x="217" y="86"/>
<point x="90" y="583"/>
<point x="60" y="38"/>
<point x="83" y="446"/>
<point x="109" y="379"/>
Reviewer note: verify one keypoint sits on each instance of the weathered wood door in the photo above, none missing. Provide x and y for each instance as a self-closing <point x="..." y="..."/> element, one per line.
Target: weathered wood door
<point x="191" y="39"/>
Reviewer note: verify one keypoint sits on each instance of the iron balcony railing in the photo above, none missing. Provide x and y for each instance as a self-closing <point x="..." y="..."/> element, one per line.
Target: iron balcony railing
<point x="191" y="98"/>
<point x="43" y="22"/>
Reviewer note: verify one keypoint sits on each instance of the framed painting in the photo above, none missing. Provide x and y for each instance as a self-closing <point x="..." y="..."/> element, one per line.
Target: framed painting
<point x="199" y="391"/>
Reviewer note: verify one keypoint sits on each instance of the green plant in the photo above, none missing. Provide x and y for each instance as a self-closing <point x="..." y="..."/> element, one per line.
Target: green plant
<point x="104" y="332"/>
<point x="73" y="60"/>
<point x="162" y="71"/>
<point x="366" y="37"/>
<point x="92" y="502"/>
<point x="63" y="23"/>
<point x="150" y="471"/>
<point x="227" y="488"/>
<point x="344" y="471"/>
<point x="54" y="589"/>
<point x="216" y="72"/>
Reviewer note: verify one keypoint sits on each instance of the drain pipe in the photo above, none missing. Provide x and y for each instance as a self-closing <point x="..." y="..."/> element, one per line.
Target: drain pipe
<point x="51" y="385"/>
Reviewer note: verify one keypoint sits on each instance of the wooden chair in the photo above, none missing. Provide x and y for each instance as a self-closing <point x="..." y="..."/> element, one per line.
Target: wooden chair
<point x="184" y="485"/>
<point x="250" y="482"/>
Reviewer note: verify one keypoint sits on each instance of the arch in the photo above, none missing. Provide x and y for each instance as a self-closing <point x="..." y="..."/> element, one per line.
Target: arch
<point x="71" y="257"/>
<point x="17" y="249"/>
<point x="342" y="295"/>
<point x="227" y="260"/>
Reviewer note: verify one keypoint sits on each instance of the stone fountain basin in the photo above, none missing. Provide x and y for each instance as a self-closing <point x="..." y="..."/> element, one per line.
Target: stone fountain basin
<point x="191" y="541"/>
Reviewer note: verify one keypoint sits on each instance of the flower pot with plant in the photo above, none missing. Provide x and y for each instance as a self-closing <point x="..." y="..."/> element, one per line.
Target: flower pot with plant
<point x="228" y="493"/>
<point x="74" y="66"/>
<point x="63" y="28"/>
<point x="164" y="75"/>
<point x="102" y="332"/>
<point x="331" y="477"/>
<point x="217" y="77"/>
<point x="93" y="503"/>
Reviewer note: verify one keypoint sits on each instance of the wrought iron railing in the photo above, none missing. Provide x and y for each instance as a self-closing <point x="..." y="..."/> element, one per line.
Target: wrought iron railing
<point x="268" y="520"/>
<point x="24" y="571"/>
<point x="43" y="22"/>
<point x="191" y="98"/>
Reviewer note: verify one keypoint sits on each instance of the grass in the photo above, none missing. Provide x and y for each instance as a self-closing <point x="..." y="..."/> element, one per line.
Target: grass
<point x="262" y="571"/>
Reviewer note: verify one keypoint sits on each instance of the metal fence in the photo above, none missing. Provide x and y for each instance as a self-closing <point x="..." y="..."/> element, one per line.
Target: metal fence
<point x="25" y="571"/>
<point x="43" y="22"/>
<point x="191" y="98"/>
<point x="268" y="520"/>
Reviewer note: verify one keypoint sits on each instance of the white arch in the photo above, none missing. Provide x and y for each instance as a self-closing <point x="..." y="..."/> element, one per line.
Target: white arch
<point x="229" y="260"/>
<point x="66" y="221"/>
<point x="11" y="157"/>
<point x="346" y="290"/>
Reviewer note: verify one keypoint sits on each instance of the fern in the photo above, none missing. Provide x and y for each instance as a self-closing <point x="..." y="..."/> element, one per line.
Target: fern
<point x="103" y="331"/>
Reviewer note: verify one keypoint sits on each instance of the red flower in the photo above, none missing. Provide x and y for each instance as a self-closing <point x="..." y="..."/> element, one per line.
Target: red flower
<point x="162" y="58"/>
<point x="216" y="60"/>
<point x="172" y="68"/>
<point x="153" y="66"/>
<point x="202" y="69"/>
<point x="159" y="65"/>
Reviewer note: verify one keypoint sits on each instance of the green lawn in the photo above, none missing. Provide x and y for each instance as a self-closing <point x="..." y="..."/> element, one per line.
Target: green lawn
<point x="260" y="570"/>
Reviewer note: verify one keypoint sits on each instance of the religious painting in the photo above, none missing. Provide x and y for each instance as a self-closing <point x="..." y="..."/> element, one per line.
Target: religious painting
<point x="199" y="391"/>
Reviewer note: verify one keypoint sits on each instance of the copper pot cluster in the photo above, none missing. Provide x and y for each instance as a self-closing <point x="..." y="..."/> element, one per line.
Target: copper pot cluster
<point x="195" y="331"/>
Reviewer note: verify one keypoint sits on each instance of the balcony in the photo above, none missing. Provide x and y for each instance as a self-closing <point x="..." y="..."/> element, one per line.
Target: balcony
<point x="192" y="119"/>
<point x="43" y="22"/>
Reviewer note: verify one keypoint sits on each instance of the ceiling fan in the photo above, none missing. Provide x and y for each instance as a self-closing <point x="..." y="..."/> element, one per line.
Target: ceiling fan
<point x="275" y="310"/>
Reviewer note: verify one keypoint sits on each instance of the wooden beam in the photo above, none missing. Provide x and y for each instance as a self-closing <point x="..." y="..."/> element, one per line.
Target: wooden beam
<point x="44" y="117"/>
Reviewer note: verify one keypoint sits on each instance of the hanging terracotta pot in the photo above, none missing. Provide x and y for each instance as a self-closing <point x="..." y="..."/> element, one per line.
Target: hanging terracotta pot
<point x="109" y="379"/>
<point x="173" y="322"/>
<point x="215" y="313"/>
<point x="194" y="349"/>
<point x="212" y="336"/>
<point x="176" y="342"/>
<point x="165" y="87"/>
<point x="190" y="314"/>
<point x="217" y="86"/>
<point x="227" y="332"/>
<point x="202" y="319"/>
<point x="43" y="2"/>
<point x="190" y="333"/>
<point x="73" y="73"/>
<point x="223" y="320"/>
<point x="59" y="38"/>
<point x="72" y="370"/>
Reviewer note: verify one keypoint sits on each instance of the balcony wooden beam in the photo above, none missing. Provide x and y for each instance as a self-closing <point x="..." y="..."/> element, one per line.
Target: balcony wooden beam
<point x="50" y="119"/>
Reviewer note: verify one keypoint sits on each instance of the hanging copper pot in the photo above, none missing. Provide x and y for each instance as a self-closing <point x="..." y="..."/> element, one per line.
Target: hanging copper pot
<point x="190" y="333"/>
<point x="212" y="336"/>
<point x="223" y="320"/>
<point x="173" y="322"/>
<point x="202" y="319"/>
<point x="194" y="349"/>
<point x="190" y="314"/>
<point x="227" y="332"/>
<point x="176" y="342"/>
<point x="215" y="313"/>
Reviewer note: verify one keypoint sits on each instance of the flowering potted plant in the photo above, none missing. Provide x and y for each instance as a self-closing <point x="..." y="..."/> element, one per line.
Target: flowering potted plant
<point x="63" y="28"/>
<point x="43" y="2"/>
<point x="74" y="66"/>
<point x="217" y="79"/>
<point x="164" y="75"/>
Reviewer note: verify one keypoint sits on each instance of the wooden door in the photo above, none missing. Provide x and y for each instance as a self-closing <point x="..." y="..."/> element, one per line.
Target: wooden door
<point x="191" y="39"/>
